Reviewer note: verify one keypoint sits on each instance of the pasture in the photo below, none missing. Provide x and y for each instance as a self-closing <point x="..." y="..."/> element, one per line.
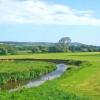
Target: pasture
<point x="78" y="83"/>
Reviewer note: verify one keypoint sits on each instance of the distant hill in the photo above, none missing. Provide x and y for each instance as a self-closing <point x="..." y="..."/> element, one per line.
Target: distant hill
<point x="27" y="43"/>
<point x="40" y="43"/>
<point x="76" y="44"/>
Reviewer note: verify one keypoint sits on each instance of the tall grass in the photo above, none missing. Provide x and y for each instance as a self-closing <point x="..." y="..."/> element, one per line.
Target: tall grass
<point x="23" y="70"/>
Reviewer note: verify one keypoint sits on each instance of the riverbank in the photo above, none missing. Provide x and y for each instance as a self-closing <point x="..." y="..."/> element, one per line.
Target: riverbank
<point x="15" y="73"/>
<point x="61" y="68"/>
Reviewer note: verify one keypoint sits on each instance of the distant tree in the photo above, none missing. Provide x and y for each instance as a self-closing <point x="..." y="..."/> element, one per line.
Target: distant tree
<point x="36" y="49"/>
<point x="65" y="40"/>
<point x="3" y="51"/>
<point x="43" y="48"/>
<point x="55" y="48"/>
<point x="64" y="43"/>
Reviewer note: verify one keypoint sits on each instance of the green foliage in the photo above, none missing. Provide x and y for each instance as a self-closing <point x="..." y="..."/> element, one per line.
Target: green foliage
<point x="5" y="49"/>
<point x="84" y="48"/>
<point x="63" y="44"/>
<point x="36" y="49"/>
<point x="23" y="70"/>
<point x="44" y="48"/>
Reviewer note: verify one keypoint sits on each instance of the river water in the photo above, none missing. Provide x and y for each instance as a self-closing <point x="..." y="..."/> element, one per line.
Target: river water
<point x="61" y="68"/>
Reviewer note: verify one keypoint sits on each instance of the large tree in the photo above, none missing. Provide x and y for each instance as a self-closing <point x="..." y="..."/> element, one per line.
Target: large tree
<point x="64" y="44"/>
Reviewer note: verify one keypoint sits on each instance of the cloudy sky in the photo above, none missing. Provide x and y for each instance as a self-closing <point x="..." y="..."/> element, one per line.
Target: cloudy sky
<point x="49" y="20"/>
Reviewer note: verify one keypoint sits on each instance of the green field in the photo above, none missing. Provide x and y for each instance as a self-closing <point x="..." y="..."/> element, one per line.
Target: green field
<point x="79" y="83"/>
<point x="11" y="71"/>
<point x="89" y="56"/>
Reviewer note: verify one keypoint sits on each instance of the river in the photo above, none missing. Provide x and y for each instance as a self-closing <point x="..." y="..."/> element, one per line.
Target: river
<point x="61" y="68"/>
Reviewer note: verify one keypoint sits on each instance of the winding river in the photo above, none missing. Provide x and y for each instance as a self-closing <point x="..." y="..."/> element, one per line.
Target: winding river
<point x="61" y="68"/>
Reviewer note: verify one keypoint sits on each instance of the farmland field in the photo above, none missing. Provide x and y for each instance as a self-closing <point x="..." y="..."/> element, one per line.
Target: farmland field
<point x="80" y="82"/>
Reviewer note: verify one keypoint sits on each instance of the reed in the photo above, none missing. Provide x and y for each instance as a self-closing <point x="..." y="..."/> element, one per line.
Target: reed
<point x="23" y="70"/>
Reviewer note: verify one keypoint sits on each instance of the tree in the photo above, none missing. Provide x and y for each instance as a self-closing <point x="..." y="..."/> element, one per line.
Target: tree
<point x="36" y="49"/>
<point x="63" y="44"/>
<point x="65" y="40"/>
<point x="43" y="48"/>
<point x="54" y="49"/>
<point x="3" y="51"/>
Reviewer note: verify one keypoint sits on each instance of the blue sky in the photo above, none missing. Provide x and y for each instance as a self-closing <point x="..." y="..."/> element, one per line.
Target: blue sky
<point x="49" y="20"/>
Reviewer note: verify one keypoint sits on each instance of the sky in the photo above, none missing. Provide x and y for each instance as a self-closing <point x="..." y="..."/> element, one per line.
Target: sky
<point x="50" y="20"/>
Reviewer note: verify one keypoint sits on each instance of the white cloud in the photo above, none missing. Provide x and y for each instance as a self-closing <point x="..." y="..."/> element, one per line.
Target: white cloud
<point x="38" y="12"/>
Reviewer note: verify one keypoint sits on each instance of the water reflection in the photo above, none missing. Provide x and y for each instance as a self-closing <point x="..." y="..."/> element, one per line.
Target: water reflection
<point x="61" y="68"/>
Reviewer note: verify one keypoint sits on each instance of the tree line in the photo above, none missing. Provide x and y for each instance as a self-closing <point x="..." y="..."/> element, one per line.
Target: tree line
<point x="63" y="45"/>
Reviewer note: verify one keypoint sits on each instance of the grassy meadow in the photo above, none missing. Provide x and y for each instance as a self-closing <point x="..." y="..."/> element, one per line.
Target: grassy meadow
<point x="87" y="56"/>
<point x="78" y="83"/>
<point x="11" y="71"/>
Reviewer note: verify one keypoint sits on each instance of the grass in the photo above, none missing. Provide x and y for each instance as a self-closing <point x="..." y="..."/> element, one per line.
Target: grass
<point x="80" y="83"/>
<point x="88" y="56"/>
<point x="23" y="70"/>
<point x="85" y="81"/>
